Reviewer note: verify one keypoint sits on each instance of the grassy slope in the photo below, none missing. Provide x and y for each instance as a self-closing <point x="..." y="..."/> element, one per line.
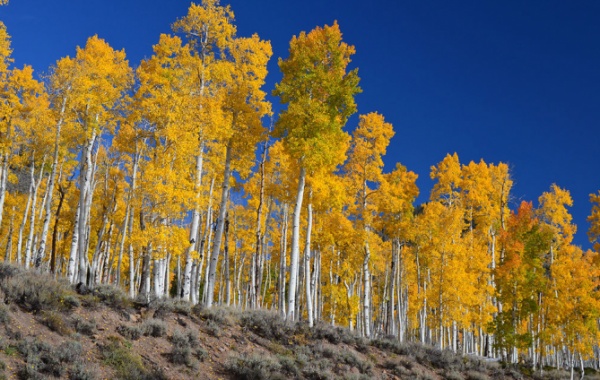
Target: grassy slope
<point x="48" y="330"/>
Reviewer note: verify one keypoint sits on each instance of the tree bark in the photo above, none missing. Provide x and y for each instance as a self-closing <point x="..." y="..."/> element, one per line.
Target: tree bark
<point x="307" y="277"/>
<point x="187" y="272"/>
<point x="214" y="257"/>
<point x="295" y="256"/>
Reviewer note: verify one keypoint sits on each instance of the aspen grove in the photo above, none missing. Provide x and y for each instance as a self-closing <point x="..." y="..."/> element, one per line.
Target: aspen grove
<point x="175" y="179"/>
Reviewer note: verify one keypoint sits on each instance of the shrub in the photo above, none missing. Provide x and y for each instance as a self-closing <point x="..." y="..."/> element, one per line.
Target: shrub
<point x="213" y="328"/>
<point x="7" y="271"/>
<point x="446" y="359"/>
<point x="318" y="370"/>
<point x="253" y="367"/>
<point x="334" y="334"/>
<point x="39" y="360"/>
<point x="154" y="327"/>
<point x="288" y="366"/>
<point x="83" y="326"/>
<point x="130" y="332"/>
<point x="112" y="296"/>
<point x="82" y="372"/>
<point x="69" y="351"/>
<point x="184" y="348"/>
<point x="400" y="367"/>
<point x="553" y="374"/>
<point x="222" y="316"/>
<point x="55" y="322"/>
<point x="475" y="375"/>
<point x="267" y="324"/>
<point x="392" y="345"/>
<point x="453" y="375"/>
<point x="166" y="306"/>
<point x="4" y="314"/>
<point x="127" y="365"/>
<point x="37" y="291"/>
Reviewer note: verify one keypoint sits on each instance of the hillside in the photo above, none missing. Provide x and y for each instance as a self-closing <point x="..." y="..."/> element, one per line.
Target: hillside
<point x="51" y="330"/>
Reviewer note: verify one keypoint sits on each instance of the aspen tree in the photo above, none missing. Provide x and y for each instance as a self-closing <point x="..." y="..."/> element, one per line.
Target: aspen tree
<point x="209" y="29"/>
<point x="319" y="94"/>
<point x="244" y="104"/>
<point x="100" y="76"/>
<point x="7" y="109"/>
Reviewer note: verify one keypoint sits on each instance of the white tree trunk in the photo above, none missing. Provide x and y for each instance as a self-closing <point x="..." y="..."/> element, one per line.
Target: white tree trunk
<point x="25" y="217"/>
<point x="282" y="260"/>
<point x="41" y="251"/>
<point x="216" y="249"/>
<point x="367" y="292"/>
<point x="85" y="188"/>
<point x="187" y="272"/>
<point x="3" y="182"/>
<point x="295" y="257"/>
<point x="307" y="278"/>
<point x="29" y="243"/>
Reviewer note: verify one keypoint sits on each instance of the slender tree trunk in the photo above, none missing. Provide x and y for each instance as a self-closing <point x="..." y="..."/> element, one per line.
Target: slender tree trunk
<point x="307" y="278"/>
<point x="295" y="247"/>
<point x="61" y="199"/>
<point x="203" y="243"/>
<point x="194" y="228"/>
<point x="41" y="251"/>
<point x="25" y="217"/>
<point x="391" y="306"/>
<point x="3" y="183"/>
<point x="128" y="222"/>
<point x="226" y="262"/>
<point x="214" y="257"/>
<point x="9" y="242"/>
<point x="282" y="259"/>
<point x="367" y="292"/>
<point x="29" y="243"/>
<point x="85" y="190"/>
<point x="144" y="289"/>
<point x="259" y="235"/>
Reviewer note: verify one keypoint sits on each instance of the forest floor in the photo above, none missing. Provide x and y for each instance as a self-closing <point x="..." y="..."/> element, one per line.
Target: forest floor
<point x="50" y="330"/>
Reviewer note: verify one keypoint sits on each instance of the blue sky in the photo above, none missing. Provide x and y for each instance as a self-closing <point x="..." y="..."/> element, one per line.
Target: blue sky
<point x="510" y="81"/>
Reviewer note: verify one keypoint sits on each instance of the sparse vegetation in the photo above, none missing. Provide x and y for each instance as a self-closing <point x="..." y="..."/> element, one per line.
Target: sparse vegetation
<point x="130" y="332"/>
<point x="55" y="321"/>
<point x="35" y="291"/>
<point x="154" y="328"/>
<point x="184" y="347"/>
<point x="84" y="326"/>
<point x="112" y="296"/>
<point x="127" y="364"/>
<point x="264" y="346"/>
<point x="253" y="367"/>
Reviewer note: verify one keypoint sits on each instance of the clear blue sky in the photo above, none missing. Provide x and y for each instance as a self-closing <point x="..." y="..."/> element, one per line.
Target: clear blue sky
<point x="512" y="81"/>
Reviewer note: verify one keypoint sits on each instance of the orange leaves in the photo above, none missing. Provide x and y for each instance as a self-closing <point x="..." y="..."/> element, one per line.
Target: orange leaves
<point x="553" y="211"/>
<point x="101" y="75"/>
<point x="594" y="221"/>
<point x="207" y="25"/>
